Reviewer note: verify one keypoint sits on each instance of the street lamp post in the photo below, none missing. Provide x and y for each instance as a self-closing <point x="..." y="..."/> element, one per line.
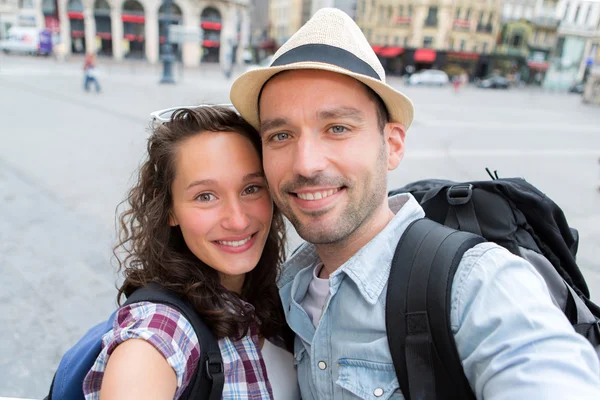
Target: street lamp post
<point x="167" y="53"/>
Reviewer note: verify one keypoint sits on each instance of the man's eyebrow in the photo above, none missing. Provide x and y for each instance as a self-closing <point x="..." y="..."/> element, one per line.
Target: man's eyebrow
<point x="273" y="123"/>
<point x="342" y="112"/>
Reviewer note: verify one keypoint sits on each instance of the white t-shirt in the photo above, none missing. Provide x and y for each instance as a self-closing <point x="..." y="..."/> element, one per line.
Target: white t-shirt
<point x="316" y="296"/>
<point x="281" y="372"/>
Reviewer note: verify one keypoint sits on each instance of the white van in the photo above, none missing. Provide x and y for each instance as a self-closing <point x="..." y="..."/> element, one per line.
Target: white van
<point x="21" y="39"/>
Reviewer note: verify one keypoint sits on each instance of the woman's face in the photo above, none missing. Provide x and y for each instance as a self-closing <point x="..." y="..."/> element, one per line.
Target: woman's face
<point x="221" y="203"/>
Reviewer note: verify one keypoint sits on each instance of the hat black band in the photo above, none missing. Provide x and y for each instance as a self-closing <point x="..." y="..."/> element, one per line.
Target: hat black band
<point x="326" y="54"/>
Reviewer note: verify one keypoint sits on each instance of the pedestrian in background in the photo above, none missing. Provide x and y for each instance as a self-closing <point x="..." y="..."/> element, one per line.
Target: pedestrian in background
<point x="89" y="69"/>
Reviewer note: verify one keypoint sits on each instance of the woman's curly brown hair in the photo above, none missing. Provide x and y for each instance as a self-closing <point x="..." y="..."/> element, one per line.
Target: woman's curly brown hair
<point x="150" y="250"/>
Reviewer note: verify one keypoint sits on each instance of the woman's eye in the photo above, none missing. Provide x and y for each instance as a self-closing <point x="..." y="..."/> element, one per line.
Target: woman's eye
<point x="338" y="129"/>
<point x="252" y="189"/>
<point x="205" y="197"/>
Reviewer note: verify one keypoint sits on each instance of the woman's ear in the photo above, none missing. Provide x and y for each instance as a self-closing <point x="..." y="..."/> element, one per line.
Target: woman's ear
<point x="394" y="138"/>
<point x="173" y="219"/>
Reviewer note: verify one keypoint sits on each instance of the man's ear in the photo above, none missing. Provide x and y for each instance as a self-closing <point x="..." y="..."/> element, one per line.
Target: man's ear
<point x="173" y="219"/>
<point x="394" y="134"/>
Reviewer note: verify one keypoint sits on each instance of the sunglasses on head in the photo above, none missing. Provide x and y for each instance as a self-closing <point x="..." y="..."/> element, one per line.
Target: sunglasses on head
<point x="162" y="116"/>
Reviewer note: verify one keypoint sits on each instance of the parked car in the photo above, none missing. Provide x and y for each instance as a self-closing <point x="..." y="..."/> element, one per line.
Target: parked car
<point x="429" y="77"/>
<point x="494" y="82"/>
<point x="577" y="88"/>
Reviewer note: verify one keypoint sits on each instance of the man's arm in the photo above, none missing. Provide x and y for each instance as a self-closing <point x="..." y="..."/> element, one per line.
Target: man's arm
<point x="513" y="341"/>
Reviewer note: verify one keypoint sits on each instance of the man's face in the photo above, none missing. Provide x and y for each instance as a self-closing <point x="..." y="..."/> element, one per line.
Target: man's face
<point x="324" y="157"/>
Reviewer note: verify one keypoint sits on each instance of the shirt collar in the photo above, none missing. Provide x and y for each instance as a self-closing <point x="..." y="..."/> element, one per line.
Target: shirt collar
<point x="370" y="267"/>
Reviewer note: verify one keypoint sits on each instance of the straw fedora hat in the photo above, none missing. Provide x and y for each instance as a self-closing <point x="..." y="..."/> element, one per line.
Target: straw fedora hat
<point x="329" y="41"/>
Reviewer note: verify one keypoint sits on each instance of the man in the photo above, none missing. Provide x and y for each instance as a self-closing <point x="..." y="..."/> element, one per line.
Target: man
<point x="331" y="130"/>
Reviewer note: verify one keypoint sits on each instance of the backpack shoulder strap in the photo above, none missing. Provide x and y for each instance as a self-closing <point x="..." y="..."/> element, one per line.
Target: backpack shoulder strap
<point x="418" y="311"/>
<point x="208" y="381"/>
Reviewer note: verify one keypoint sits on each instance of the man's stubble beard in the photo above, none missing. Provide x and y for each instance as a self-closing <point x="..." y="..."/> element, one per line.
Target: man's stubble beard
<point x="356" y="214"/>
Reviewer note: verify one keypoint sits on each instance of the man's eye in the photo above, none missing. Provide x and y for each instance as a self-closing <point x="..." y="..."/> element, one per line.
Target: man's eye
<point x="252" y="189"/>
<point x="279" y="137"/>
<point x="338" y="129"/>
<point x="205" y="197"/>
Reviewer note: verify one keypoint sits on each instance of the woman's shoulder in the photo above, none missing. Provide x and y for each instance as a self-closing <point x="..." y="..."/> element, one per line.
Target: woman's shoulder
<point x="160" y="325"/>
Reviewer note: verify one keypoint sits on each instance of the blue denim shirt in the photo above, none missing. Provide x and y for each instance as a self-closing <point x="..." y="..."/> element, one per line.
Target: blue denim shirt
<point x="513" y="341"/>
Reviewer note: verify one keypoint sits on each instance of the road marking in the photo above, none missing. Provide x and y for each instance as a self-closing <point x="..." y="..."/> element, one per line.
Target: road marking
<point x="477" y="153"/>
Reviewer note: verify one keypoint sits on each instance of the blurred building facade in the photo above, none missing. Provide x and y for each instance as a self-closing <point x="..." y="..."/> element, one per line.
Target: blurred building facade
<point x="260" y="41"/>
<point x="577" y="49"/>
<point x="9" y="13"/>
<point x="347" y="6"/>
<point x="453" y="35"/>
<point x="207" y="31"/>
<point x="286" y="17"/>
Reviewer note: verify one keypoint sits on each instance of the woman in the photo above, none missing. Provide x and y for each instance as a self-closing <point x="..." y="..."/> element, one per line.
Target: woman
<point x="202" y="224"/>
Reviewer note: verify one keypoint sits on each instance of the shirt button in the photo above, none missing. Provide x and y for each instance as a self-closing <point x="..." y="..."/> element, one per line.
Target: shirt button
<point x="378" y="392"/>
<point x="322" y="365"/>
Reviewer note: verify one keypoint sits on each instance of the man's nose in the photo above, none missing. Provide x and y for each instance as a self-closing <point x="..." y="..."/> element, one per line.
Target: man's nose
<point x="310" y="156"/>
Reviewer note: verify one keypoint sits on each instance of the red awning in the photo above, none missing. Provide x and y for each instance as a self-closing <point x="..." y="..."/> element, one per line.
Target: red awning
<point x="425" y="55"/>
<point x="211" y="43"/>
<point x="136" y="19"/>
<point x="391" y="52"/>
<point x="215" y="26"/>
<point x="77" y="34"/>
<point x="377" y="49"/>
<point x="75" y="15"/>
<point x="538" y="65"/>
<point x="104" y="35"/>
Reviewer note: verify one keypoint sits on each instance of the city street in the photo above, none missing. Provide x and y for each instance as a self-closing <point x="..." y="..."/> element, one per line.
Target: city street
<point x="67" y="158"/>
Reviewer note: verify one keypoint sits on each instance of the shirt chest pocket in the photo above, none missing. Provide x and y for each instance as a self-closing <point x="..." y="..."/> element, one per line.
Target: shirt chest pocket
<point x="368" y="380"/>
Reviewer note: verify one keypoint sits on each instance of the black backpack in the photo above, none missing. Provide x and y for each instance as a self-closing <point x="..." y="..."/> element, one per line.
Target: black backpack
<point x="207" y="382"/>
<point x="509" y="212"/>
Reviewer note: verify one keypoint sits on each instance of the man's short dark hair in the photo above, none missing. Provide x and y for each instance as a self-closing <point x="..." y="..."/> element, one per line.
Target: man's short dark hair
<point x="383" y="116"/>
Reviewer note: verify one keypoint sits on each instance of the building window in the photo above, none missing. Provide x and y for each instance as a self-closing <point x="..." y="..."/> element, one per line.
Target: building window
<point x="26" y="4"/>
<point x="385" y="40"/>
<point x="428" y="42"/>
<point x="468" y="16"/>
<point x="396" y="41"/>
<point x="566" y="14"/>
<point x="457" y="13"/>
<point x="400" y="11"/>
<point x="475" y="48"/>
<point x="463" y="44"/>
<point x="517" y="40"/>
<point x="484" y="48"/>
<point x="529" y="13"/>
<point x="378" y="39"/>
<point x="577" y="13"/>
<point x="405" y="42"/>
<point x="587" y="16"/>
<point x="431" y="17"/>
<point x="451" y="44"/>
<point x="409" y="11"/>
<point x="491" y="18"/>
<point x="390" y="13"/>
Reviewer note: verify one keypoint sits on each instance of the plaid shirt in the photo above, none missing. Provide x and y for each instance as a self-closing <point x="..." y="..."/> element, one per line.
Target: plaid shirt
<point x="173" y="336"/>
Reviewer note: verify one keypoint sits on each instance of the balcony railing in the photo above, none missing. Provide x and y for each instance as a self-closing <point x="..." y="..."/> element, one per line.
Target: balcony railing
<point x="484" y="28"/>
<point x="461" y="24"/>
